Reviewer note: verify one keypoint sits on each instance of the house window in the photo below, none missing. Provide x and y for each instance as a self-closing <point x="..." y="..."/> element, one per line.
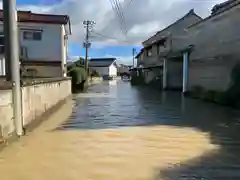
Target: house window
<point x="32" y="35"/>
<point x="149" y="52"/>
<point x="2" y="40"/>
<point x="2" y="47"/>
<point x="161" y="45"/>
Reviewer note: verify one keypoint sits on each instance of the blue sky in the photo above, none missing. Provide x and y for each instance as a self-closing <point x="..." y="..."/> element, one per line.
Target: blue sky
<point x="43" y="2"/>
<point x="120" y="51"/>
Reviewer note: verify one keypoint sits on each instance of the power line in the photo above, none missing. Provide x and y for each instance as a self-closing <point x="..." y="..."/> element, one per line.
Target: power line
<point x="105" y="36"/>
<point x="119" y="14"/>
<point x="116" y="12"/>
<point x="122" y="15"/>
<point x="130" y="1"/>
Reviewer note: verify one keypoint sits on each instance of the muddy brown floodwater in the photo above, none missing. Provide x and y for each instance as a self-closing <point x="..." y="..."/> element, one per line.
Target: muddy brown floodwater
<point x="118" y="132"/>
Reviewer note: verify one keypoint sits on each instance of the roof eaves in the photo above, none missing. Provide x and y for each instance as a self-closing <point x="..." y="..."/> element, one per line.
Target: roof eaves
<point x="191" y="12"/>
<point x="28" y="16"/>
<point x="215" y="14"/>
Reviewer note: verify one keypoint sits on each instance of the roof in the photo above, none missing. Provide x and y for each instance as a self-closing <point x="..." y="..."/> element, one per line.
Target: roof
<point x="190" y="13"/>
<point x="138" y="55"/>
<point x="101" y="62"/>
<point x="219" y="10"/>
<point x="28" y="16"/>
<point x="220" y="7"/>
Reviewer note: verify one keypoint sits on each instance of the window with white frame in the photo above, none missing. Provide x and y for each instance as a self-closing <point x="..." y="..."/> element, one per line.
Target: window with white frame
<point x="32" y="35"/>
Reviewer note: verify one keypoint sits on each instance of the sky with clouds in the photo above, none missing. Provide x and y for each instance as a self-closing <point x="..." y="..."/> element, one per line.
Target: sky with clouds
<point x="142" y="18"/>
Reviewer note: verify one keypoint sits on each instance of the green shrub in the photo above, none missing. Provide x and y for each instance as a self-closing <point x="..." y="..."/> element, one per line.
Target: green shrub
<point x="95" y="74"/>
<point x="79" y="77"/>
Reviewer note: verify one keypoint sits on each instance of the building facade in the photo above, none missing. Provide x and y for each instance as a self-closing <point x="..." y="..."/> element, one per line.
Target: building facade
<point x="156" y="48"/>
<point x="106" y="67"/>
<point x="43" y="41"/>
<point x="215" y="53"/>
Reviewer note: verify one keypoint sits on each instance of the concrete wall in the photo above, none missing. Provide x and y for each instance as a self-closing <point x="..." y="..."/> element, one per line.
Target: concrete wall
<point x="6" y="114"/>
<point x="36" y="100"/>
<point x="217" y="42"/>
<point x="210" y="75"/>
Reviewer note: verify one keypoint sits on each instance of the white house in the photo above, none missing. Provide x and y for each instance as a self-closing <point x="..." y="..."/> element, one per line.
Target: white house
<point x="104" y="66"/>
<point x="42" y="43"/>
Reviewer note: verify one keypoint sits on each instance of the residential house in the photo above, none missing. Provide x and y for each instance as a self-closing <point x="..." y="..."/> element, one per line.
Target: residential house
<point x="106" y="67"/>
<point x="43" y="41"/>
<point x="152" y="56"/>
<point x="211" y="49"/>
<point x="122" y="69"/>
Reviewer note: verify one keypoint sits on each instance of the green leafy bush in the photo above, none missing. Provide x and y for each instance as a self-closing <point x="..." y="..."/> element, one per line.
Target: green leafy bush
<point x="95" y="74"/>
<point x="79" y="77"/>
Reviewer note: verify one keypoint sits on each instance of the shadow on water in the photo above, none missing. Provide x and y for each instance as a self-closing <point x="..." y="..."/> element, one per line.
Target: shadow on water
<point x="124" y="106"/>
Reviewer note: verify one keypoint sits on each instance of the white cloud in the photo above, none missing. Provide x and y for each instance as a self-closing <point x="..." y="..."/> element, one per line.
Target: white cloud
<point x="142" y="17"/>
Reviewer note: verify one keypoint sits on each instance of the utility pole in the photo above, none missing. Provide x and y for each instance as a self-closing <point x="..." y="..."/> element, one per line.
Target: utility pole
<point x="12" y="59"/>
<point x="133" y="54"/>
<point x="87" y="24"/>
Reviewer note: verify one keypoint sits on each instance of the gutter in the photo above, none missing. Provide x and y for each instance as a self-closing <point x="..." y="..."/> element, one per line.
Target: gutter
<point x="69" y="25"/>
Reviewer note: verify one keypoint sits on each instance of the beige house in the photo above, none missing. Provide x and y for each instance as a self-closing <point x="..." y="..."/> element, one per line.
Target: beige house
<point x="43" y="41"/>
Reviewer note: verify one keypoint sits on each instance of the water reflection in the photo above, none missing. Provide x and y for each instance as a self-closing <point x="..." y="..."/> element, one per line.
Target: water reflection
<point x="130" y="133"/>
<point x="117" y="104"/>
<point x="127" y="106"/>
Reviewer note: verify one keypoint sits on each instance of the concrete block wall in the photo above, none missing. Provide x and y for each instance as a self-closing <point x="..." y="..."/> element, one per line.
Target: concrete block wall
<point x="6" y="114"/>
<point x="39" y="98"/>
<point x="36" y="100"/>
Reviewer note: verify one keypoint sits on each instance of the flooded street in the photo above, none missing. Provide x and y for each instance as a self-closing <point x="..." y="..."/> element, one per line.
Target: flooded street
<point x="119" y="132"/>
